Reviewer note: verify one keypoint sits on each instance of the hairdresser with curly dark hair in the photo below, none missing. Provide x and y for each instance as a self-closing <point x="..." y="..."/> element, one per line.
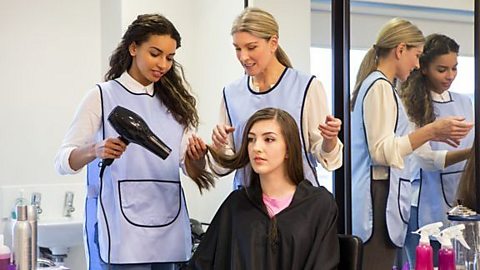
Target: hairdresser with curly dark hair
<point x="136" y="216"/>
<point x="426" y="97"/>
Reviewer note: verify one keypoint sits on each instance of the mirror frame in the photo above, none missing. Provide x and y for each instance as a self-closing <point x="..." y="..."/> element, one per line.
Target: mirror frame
<point x="476" y="48"/>
<point x="341" y="109"/>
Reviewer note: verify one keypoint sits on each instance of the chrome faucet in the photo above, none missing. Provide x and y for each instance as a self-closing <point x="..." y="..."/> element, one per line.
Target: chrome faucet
<point x="35" y="202"/>
<point x="45" y="262"/>
<point x="68" y="206"/>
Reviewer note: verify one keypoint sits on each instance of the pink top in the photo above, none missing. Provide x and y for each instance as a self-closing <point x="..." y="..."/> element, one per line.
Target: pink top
<point x="275" y="205"/>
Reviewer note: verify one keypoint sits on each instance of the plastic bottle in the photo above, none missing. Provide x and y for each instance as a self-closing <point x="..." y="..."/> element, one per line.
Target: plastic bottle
<point x="22" y="235"/>
<point x="4" y="255"/>
<point x="8" y="233"/>
<point x="20" y="200"/>
<point x="11" y="265"/>
<point x="446" y="254"/>
<point x="424" y="252"/>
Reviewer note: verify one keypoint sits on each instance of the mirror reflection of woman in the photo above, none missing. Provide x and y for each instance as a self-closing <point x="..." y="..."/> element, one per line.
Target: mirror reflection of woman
<point x="426" y="97"/>
<point x="270" y="81"/>
<point x="382" y="160"/>
<point x="280" y="221"/>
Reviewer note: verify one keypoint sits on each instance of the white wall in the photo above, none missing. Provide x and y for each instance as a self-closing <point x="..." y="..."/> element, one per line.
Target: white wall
<point x="50" y="57"/>
<point x="111" y="30"/>
<point x="367" y="17"/>
<point x="440" y="4"/>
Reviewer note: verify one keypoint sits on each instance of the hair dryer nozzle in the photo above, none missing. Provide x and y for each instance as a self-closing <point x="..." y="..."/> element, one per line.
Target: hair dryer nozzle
<point x="133" y="128"/>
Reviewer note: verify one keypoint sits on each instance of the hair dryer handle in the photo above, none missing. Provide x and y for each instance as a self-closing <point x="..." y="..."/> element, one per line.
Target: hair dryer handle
<point x="108" y="161"/>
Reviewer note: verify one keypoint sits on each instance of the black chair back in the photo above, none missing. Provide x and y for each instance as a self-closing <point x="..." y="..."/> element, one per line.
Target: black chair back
<point x="351" y="252"/>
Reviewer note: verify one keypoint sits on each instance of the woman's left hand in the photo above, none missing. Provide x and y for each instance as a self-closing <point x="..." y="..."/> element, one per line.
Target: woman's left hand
<point x="196" y="149"/>
<point x="330" y="128"/>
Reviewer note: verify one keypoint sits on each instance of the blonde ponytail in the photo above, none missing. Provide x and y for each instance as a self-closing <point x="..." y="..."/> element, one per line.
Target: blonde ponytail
<point x="393" y="33"/>
<point x="368" y="65"/>
<point x="282" y="57"/>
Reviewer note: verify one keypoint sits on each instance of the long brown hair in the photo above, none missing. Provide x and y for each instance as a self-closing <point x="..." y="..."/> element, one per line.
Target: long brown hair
<point x="466" y="188"/>
<point x="393" y="33"/>
<point x="294" y="163"/>
<point x="261" y="24"/>
<point x="171" y="88"/>
<point x="414" y="91"/>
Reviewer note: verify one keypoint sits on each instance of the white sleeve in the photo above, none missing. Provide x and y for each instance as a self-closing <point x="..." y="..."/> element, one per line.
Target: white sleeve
<point x="224" y="120"/>
<point x="85" y="124"/>
<point x="429" y="159"/>
<point x="380" y="116"/>
<point x="187" y="133"/>
<point x="228" y="150"/>
<point x="315" y="112"/>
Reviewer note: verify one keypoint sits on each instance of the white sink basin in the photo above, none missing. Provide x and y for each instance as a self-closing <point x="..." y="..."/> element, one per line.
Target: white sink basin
<point x="60" y="234"/>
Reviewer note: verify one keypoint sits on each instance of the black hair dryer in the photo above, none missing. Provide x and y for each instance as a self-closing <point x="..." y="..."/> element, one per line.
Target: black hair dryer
<point x="132" y="128"/>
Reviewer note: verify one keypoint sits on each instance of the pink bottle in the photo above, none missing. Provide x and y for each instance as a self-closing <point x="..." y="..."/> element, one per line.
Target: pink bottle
<point x="446" y="259"/>
<point x="424" y="252"/>
<point x="424" y="256"/>
<point x="4" y="255"/>
<point x="446" y="254"/>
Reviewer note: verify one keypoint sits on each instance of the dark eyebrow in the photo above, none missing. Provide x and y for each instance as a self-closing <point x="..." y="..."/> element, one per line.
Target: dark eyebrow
<point x="263" y="134"/>
<point x="159" y="50"/>
<point x="442" y="66"/>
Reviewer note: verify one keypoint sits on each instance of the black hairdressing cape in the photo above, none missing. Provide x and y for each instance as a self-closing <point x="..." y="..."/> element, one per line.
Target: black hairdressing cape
<point x="239" y="236"/>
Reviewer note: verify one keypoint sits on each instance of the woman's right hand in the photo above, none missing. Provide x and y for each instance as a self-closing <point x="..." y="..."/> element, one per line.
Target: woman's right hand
<point x="110" y="148"/>
<point x="220" y="135"/>
<point x="196" y="149"/>
<point x="451" y="130"/>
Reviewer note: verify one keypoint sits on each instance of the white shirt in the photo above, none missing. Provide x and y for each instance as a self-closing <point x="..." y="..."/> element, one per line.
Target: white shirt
<point x="386" y="149"/>
<point x="314" y="113"/>
<point x="88" y="120"/>
<point x="443" y="97"/>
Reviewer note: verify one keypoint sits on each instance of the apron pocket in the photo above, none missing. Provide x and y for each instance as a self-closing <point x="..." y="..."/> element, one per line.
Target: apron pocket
<point x="404" y="199"/>
<point x="150" y="203"/>
<point x="449" y="186"/>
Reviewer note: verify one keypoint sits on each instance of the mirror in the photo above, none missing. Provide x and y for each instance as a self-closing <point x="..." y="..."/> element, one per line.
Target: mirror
<point x="455" y="21"/>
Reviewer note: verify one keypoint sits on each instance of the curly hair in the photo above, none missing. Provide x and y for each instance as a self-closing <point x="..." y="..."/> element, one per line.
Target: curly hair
<point x="466" y="194"/>
<point x="414" y="91"/>
<point x="172" y="87"/>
